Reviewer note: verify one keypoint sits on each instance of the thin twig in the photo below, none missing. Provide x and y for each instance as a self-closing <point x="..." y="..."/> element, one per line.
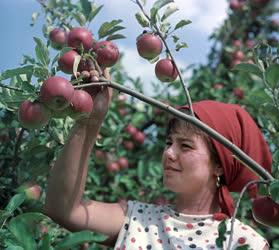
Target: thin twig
<point x="12" y="88"/>
<point x="248" y="161"/>
<point x="188" y="97"/>
<point x="237" y="206"/>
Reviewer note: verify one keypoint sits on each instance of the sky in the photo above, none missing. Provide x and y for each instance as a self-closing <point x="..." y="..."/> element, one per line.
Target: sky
<point x="17" y="34"/>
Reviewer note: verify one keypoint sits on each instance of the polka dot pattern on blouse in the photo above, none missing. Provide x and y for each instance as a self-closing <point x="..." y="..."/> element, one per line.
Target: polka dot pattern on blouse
<point x="149" y="226"/>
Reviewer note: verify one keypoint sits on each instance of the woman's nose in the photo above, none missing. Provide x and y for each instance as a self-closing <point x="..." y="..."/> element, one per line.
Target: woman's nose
<point x="171" y="152"/>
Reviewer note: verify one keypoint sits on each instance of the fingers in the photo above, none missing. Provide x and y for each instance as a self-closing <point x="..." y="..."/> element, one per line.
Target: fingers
<point x="107" y="74"/>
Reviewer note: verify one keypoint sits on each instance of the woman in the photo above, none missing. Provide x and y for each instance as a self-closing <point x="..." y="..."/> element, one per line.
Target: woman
<point x="194" y="167"/>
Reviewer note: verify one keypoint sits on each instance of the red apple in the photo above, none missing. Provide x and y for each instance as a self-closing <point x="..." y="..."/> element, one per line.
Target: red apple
<point x="66" y="62"/>
<point x="122" y="111"/>
<point x="236" y="5"/>
<point x="80" y="36"/>
<point x="139" y="137"/>
<point x="131" y="130"/>
<point x="238" y="55"/>
<point x="56" y="92"/>
<point x="123" y="162"/>
<point x="58" y="38"/>
<point x="129" y="145"/>
<point x="238" y="93"/>
<point x="113" y="166"/>
<point x="218" y="85"/>
<point x="266" y="211"/>
<point x="165" y="70"/>
<point x="100" y="156"/>
<point x="107" y="53"/>
<point x="81" y="104"/>
<point x="149" y="45"/>
<point x="237" y="43"/>
<point x="250" y="44"/>
<point x="33" y="114"/>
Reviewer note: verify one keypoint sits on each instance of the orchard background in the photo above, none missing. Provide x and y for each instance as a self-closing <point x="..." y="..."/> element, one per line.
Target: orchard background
<point x="242" y="67"/>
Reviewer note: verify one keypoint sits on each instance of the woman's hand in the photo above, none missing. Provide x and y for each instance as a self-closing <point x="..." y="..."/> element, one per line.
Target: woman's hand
<point x="101" y="99"/>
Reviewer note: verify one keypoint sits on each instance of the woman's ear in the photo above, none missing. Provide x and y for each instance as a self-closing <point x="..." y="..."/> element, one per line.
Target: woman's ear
<point x="219" y="170"/>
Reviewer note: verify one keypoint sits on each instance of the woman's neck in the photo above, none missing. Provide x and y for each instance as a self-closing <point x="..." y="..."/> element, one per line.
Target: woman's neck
<point x="206" y="203"/>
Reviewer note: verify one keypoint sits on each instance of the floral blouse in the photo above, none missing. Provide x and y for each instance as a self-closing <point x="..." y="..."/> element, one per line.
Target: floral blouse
<point x="149" y="226"/>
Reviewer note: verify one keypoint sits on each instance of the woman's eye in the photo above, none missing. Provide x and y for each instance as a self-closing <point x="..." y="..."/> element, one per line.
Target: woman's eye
<point x="168" y="143"/>
<point x="185" y="145"/>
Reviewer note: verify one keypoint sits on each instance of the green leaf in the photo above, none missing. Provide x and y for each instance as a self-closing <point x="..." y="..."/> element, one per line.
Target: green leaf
<point x="272" y="75"/>
<point x="114" y="29"/>
<point x="153" y="16"/>
<point x="106" y="27"/>
<point x="42" y="52"/>
<point x="141" y="170"/>
<point x="142" y="20"/>
<point x="175" y="38"/>
<point x="14" y="248"/>
<point x="80" y="18"/>
<point x="44" y="244"/>
<point x="27" y="70"/>
<point x="22" y="227"/>
<point x="86" y="8"/>
<point x="94" y="12"/>
<point x="182" y="23"/>
<point x="181" y="46"/>
<point x="172" y="7"/>
<point x="77" y="238"/>
<point x="161" y="3"/>
<point x="274" y="190"/>
<point x="15" y="202"/>
<point x="115" y="37"/>
<point x="244" y="247"/>
<point x="249" y="68"/>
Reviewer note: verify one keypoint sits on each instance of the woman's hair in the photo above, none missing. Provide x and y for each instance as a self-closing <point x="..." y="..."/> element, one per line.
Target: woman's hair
<point x="176" y="125"/>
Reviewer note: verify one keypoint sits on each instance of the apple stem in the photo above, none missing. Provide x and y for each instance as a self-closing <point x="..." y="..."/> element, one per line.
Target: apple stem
<point x="237" y="206"/>
<point x="240" y="155"/>
<point x="188" y="97"/>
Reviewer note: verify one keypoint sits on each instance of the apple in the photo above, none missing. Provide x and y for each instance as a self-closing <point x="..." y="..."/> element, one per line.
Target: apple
<point x="80" y="36"/>
<point x="130" y="129"/>
<point x="31" y="189"/>
<point x="123" y="162"/>
<point x="129" y="145"/>
<point x="58" y="38"/>
<point x="237" y="43"/>
<point x="236" y="5"/>
<point x="100" y="156"/>
<point x="165" y="70"/>
<point x="121" y="99"/>
<point x="149" y="45"/>
<point x="235" y="62"/>
<point x="81" y="104"/>
<point x="218" y="85"/>
<point x="139" y="137"/>
<point x="113" y="166"/>
<point x="66" y="61"/>
<point x="56" y="92"/>
<point x="33" y="114"/>
<point x="250" y="44"/>
<point x="107" y="53"/>
<point x="265" y="211"/>
<point x="122" y="111"/>
<point x="238" y="55"/>
<point x="238" y="93"/>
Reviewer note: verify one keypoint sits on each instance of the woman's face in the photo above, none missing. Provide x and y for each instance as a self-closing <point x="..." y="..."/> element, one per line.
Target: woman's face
<point x="187" y="166"/>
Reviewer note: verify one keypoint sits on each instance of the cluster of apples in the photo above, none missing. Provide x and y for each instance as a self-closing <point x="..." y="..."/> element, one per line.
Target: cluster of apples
<point x="58" y="98"/>
<point x="149" y="46"/>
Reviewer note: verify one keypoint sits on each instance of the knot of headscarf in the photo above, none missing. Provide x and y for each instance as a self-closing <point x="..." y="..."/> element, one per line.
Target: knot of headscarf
<point x="234" y="123"/>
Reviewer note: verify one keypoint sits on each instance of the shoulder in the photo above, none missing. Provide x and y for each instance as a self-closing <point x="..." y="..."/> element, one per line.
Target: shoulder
<point x="245" y="234"/>
<point x="141" y="208"/>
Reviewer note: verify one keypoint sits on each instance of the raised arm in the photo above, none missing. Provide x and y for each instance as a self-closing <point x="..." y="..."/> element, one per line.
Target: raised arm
<point x="67" y="179"/>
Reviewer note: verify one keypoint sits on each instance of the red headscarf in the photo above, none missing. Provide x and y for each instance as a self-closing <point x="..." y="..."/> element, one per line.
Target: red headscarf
<point x="234" y="123"/>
